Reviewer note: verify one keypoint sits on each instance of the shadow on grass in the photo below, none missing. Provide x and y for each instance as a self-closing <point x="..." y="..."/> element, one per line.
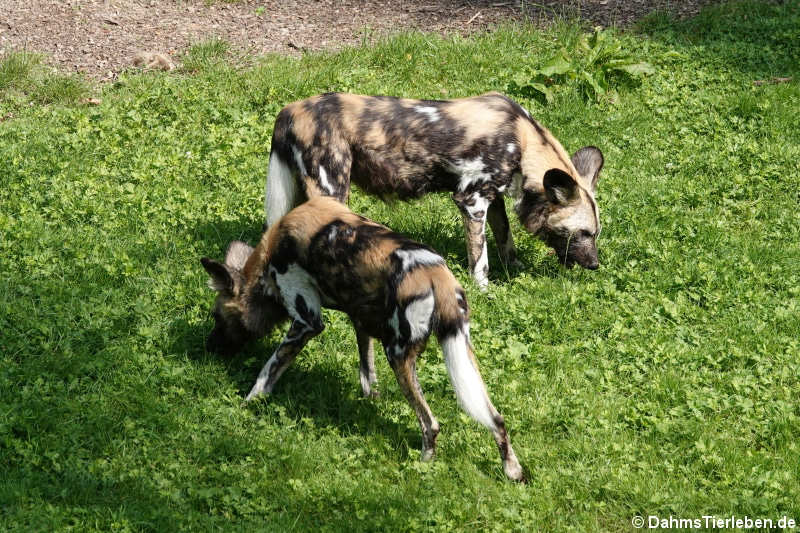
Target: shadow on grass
<point x="70" y="491"/>
<point x="320" y="393"/>
<point x="327" y="394"/>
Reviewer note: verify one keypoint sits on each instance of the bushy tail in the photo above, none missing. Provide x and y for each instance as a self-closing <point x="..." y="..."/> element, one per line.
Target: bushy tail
<point x="453" y="334"/>
<point x="452" y="329"/>
<point x="470" y="389"/>
<point x="280" y="193"/>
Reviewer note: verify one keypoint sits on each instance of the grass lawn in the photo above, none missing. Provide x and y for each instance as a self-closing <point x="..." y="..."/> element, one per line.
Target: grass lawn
<point x="665" y="383"/>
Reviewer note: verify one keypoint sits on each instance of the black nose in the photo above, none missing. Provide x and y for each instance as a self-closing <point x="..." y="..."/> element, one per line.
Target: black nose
<point x="592" y="266"/>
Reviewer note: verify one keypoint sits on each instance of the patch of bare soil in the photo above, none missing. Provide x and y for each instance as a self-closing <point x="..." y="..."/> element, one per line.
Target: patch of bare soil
<point x="102" y="37"/>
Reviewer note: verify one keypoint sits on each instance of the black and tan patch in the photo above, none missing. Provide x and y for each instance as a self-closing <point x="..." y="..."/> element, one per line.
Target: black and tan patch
<point x="403" y="148"/>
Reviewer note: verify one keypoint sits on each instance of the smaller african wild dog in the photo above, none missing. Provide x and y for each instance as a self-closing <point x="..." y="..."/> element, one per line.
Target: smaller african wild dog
<point x="393" y="289"/>
<point x="476" y="148"/>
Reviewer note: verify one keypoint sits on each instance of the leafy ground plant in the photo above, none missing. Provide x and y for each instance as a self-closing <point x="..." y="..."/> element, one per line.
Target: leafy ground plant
<point x="25" y="80"/>
<point x="593" y="64"/>
<point x="665" y="383"/>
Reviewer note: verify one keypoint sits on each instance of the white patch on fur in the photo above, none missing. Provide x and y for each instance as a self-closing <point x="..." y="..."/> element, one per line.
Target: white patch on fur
<point x="482" y="264"/>
<point x="296" y="281"/>
<point x="260" y="386"/>
<point x="471" y="171"/>
<point x="298" y="158"/>
<point x="280" y="190"/>
<point x="511" y="147"/>
<point x="467" y="382"/>
<point x="332" y="233"/>
<point x="366" y="386"/>
<point x="418" y="314"/>
<point x="323" y="181"/>
<point x="462" y="309"/>
<point x="580" y="219"/>
<point x="432" y="112"/>
<point x="421" y="256"/>
<point x="480" y="206"/>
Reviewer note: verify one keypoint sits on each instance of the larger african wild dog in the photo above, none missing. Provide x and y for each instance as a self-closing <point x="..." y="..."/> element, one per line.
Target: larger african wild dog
<point x="322" y="254"/>
<point x="477" y="148"/>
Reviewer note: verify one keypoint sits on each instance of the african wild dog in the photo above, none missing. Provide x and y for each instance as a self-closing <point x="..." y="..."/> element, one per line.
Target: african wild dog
<point x="477" y="148"/>
<point x="322" y="254"/>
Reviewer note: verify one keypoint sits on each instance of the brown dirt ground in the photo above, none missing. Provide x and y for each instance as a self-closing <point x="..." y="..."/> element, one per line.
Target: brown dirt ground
<point x="101" y="37"/>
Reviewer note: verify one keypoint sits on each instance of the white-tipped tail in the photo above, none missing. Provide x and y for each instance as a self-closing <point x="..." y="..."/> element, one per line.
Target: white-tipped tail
<point x="281" y="189"/>
<point x="470" y="389"/>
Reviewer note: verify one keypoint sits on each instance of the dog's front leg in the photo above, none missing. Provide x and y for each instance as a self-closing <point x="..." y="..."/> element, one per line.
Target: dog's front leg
<point x="477" y="254"/>
<point x="300" y="296"/>
<point x="498" y="221"/>
<point x="473" y="209"/>
<point x="298" y="335"/>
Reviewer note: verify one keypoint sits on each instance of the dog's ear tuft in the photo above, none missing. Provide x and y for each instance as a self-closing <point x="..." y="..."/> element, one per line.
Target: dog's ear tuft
<point x="221" y="278"/>
<point x="559" y="186"/>
<point x="588" y="162"/>
<point x="237" y="255"/>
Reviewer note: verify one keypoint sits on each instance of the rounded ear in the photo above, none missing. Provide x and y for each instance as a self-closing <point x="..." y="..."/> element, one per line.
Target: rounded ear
<point x="237" y="254"/>
<point x="559" y="187"/>
<point x="221" y="279"/>
<point x="588" y="162"/>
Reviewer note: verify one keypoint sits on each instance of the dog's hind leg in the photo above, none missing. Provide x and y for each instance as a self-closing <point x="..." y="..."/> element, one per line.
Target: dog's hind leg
<point x="405" y="369"/>
<point x="366" y="352"/>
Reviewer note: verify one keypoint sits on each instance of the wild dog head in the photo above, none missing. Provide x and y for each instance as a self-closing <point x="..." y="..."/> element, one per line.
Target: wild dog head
<point x="240" y="315"/>
<point x="565" y="214"/>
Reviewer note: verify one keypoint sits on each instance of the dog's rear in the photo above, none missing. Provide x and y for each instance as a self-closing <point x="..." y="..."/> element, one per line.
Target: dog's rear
<point x="433" y="301"/>
<point x="281" y="192"/>
<point x="311" y="154"/>
<point x="281" y="189"/>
